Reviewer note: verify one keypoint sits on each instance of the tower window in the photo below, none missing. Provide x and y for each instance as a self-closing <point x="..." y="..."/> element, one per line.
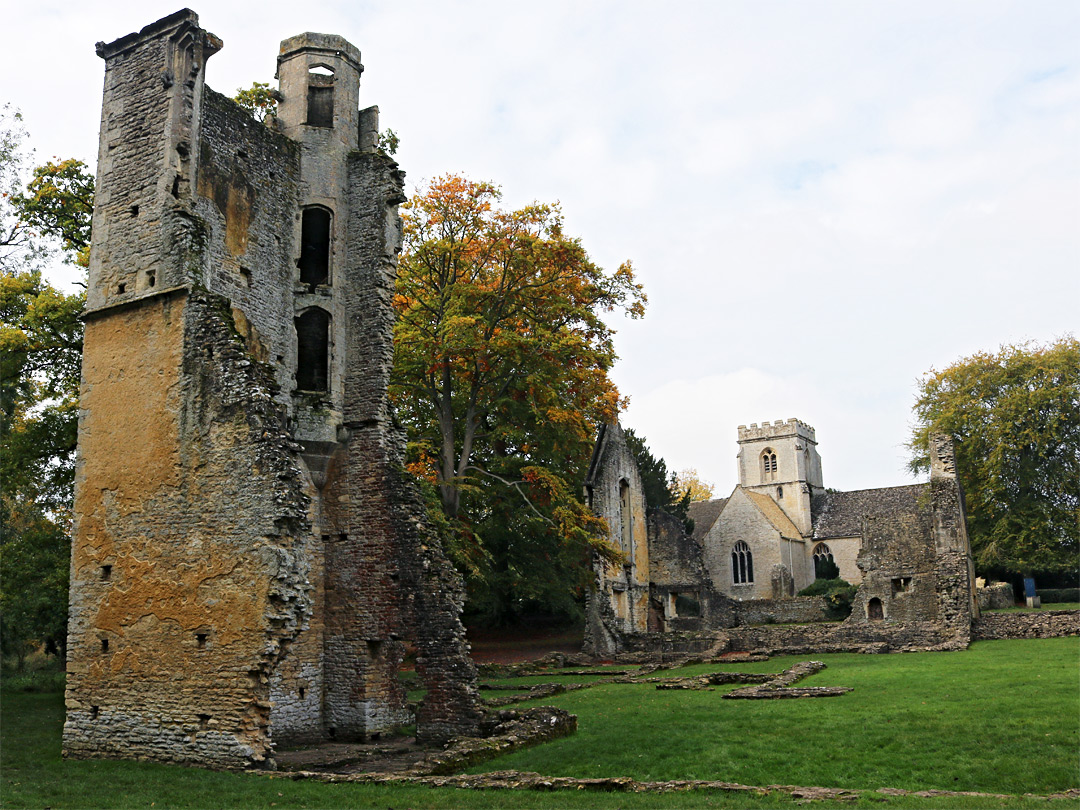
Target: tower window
<point x="742" y="564"/>
<point x="768" y="465"/>
<point x="314" y="260"/>
<point x="320" y="100"/>
<point x="312" y="350"/>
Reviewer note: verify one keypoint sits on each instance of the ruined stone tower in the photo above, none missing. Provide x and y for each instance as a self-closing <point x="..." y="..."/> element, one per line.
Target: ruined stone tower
<point x="249" y="556"/>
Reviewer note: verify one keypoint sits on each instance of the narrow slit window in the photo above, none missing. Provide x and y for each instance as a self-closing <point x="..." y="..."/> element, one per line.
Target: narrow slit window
<point x="312" y="350"/>
<point x="315" y="246"/>
<point x="626" y="515"/>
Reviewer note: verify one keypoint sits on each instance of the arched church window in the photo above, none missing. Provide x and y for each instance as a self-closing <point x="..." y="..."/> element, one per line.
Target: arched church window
<point x="824" y="565"/>
<point x="768" y="464"/>
<point x="742" y="564"/>
<point x="314" y="260"/>
<point x="312" y="350"/>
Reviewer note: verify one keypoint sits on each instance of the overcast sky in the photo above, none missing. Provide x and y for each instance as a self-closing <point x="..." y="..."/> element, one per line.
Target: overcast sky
<point x="823" y="199"/>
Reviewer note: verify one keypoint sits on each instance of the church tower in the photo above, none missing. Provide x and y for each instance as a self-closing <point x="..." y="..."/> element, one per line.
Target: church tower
<point x="781" y="460"/>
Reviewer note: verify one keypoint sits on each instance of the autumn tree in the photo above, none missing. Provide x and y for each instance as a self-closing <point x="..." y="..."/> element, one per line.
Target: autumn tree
<point x="688" y="482"/>
<point x="501" y="377"/>
<point x="1015" y="415"/>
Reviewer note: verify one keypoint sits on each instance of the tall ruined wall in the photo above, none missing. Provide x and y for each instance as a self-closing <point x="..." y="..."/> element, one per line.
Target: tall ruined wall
<point x="189" y="565"/>
<point x="620" y="602"/>
<point x="248" y="559"/>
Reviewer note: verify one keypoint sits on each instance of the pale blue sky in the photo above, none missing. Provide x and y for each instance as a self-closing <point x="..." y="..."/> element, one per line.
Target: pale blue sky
<point x="823" y="199"/>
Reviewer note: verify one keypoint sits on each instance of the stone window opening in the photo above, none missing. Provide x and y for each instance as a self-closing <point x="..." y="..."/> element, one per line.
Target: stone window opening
<point x="151" y="278"/>
<point x="106" y="573"/>
<point x="742" y="564"/>
<point x="302" y="692"/>
<point x="625" y="514"/>
<point x="874" y="610"/>
<point x="320" y="99"/>
<point x="779" y="492"/>
<point x="204" y="721"/>
<point x="314" y="261"/>
<point x="121" y="288"/>
<point x="901" y="585"/>
<point x="313" y="350"/>
<point x="104" y="645"/>
<point x="768" y="464"/>
<point x="134" y="211"/>
<point x="686" y="605"/>
<point x="94" y="712"/>
<point x="374" y="648"/>
<point x="200" y="640"/>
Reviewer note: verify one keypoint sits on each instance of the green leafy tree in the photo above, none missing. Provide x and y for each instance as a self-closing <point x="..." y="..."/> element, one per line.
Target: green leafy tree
<point x="660" y="487"/>
<point x="40" y="350"/>
<point x="501" y="378"/>
<point x="1015" y="416"/>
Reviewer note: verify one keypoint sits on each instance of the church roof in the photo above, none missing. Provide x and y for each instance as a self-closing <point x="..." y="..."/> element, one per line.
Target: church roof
<point x="704" y="515"/>
<point x="841" y="513"/>
<point x="774" y="514"/>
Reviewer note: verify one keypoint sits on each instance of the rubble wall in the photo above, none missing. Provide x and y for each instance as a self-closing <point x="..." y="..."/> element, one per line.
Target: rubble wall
<point x="1026" y="624"/>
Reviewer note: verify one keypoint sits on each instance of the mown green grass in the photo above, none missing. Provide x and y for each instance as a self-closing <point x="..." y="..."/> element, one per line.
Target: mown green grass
<point x="1000" y="717"/>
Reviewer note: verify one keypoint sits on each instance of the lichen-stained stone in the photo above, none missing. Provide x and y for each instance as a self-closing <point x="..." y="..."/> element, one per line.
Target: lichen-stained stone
<point x="249" y="555"/>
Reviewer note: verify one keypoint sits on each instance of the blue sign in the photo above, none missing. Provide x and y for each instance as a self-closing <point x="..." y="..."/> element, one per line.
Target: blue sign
<point x="1029" y="587"/>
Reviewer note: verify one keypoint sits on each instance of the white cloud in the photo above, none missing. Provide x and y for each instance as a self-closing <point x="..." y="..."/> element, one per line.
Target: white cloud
<point x="823" y="198"/>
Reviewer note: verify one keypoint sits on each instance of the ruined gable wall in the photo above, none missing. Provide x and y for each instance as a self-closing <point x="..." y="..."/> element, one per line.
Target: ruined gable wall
<point x="620" y="602"/>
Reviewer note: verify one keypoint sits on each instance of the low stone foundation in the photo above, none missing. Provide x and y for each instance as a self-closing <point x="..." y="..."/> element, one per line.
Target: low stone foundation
<point x="1035" y="624"/>
<point x="782" y="611"/>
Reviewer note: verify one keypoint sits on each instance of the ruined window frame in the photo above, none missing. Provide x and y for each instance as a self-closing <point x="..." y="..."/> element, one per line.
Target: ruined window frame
<point x="306" y="315"/>
<point x="307" y="215"/>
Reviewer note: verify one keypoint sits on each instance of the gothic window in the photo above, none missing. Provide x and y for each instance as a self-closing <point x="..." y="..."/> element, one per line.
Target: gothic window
<point x="768" y="464"/>
<point x="625" y="514"/>
<point x="742" y="564"/>
<point x="312" y="350"/>
<point x="824" y="564"/>
<point x="314" y="260"/>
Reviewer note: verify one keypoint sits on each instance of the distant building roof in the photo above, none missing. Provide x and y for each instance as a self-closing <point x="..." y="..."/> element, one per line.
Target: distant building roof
<point x="840" y="514"/>
<point x="704" y="515"/>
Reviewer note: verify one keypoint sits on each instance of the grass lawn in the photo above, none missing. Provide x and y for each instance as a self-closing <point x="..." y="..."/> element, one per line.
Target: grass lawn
<point x="1001" y="717"/>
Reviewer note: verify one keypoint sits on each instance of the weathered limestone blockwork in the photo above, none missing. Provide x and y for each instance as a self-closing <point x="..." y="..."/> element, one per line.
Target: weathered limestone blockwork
<point x="620" y="602"/>
<point x="249" y="555"/>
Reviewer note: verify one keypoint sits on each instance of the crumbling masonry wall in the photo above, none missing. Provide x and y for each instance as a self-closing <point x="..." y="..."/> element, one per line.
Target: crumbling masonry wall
<point x="249" y="557"/>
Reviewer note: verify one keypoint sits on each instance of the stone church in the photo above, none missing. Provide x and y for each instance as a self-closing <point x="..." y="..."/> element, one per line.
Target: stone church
<point x="780" y="529"/>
